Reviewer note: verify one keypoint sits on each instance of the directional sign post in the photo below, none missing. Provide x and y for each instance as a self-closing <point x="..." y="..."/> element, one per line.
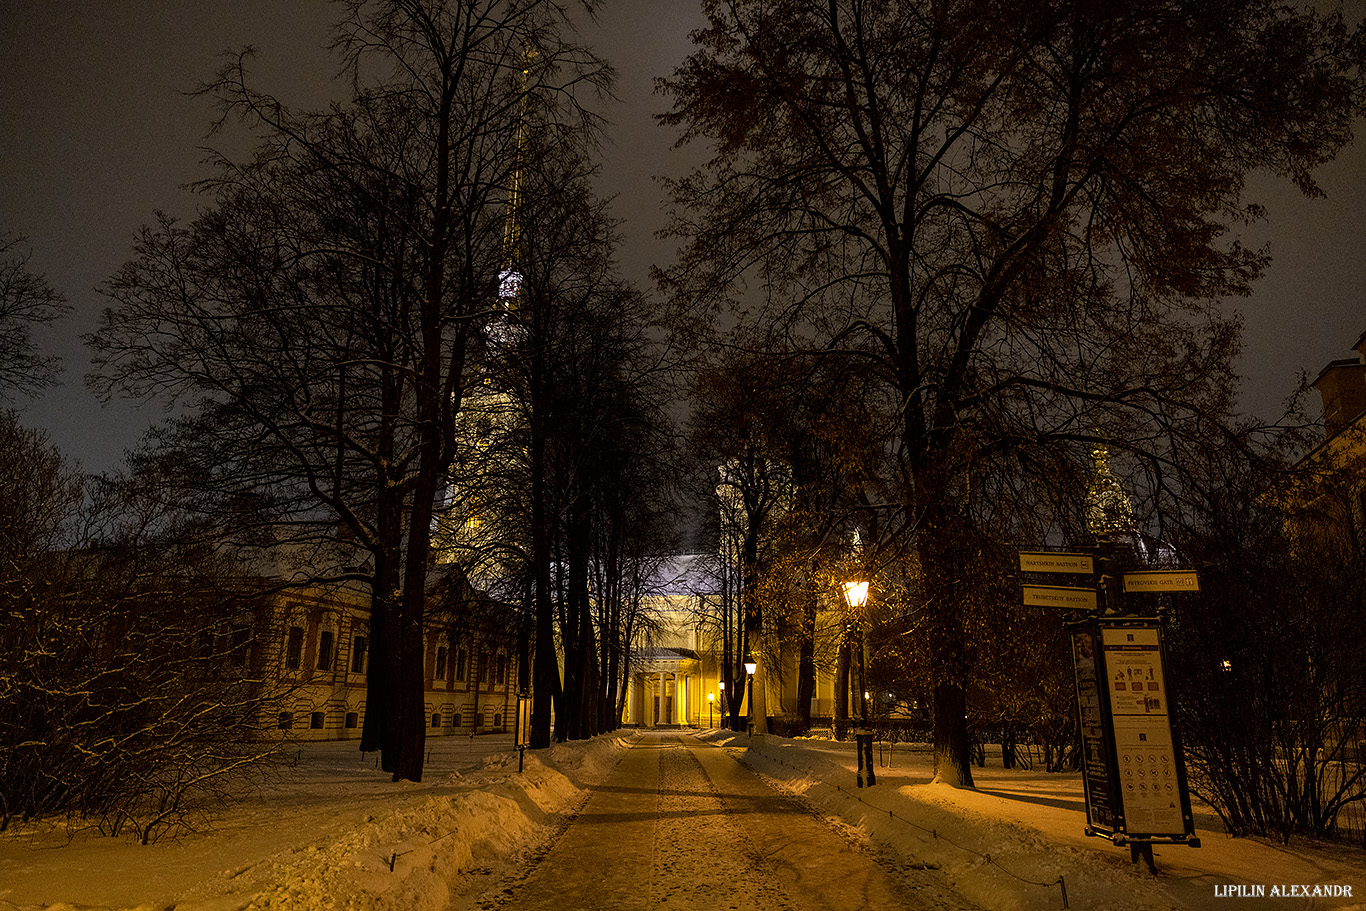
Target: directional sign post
<point x="1133" y="771"/>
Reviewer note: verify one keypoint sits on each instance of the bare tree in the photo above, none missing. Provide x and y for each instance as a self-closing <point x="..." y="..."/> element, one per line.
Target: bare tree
<point x="26" y="300"/>
<point x="1272" y="651"/>
<point x="1014" y="216"/>
<point x="321" y="312"/>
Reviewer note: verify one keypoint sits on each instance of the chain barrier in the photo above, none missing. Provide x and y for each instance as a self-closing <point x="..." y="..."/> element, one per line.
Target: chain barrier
<point x="395" y="855"/>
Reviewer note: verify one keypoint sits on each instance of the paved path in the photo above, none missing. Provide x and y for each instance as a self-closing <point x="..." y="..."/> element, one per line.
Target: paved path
<point x="682" y="825"/>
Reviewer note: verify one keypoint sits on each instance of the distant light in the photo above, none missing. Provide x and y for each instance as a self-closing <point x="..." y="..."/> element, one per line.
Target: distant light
<point x="1226" y="664"/>
<point x="711" y="697"/>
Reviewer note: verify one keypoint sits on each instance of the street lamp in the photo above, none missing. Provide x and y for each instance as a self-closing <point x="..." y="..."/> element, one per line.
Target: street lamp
<point x="721" y="685"/>
<point x="711" y="701"/>
<point x="856" y="593"/>
<point x="750" y="667"/>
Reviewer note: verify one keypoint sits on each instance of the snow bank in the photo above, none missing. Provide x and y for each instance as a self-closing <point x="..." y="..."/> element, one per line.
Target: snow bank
<point x="1017" y="841"/>
<point x="325" y="841"/>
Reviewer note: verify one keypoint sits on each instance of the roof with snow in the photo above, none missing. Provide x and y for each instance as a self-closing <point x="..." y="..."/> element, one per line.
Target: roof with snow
<point x="684" y="575"/>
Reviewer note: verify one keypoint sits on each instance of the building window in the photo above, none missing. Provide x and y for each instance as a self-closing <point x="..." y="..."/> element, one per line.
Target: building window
<point x="485" y="668"/>
<point x="455" y="720"/>
<point x="440" y="663"/>
<point x="315" y="721"/>
<point x="286" y="720"/>
<point x="294" y="649"/>
<point x="498" y="720"/>
<point x="358" y="646"/>
<point x="502" y="670"/>
<point x="436" y="719"/>
<point x="241" y="641"/>
<point x="325" y="650"/>
<point x="460" y="664"/>
<point x="352" y="720"/>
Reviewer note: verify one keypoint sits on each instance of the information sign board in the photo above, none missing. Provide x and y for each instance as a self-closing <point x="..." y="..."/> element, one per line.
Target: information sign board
<point x="1145" y="752"/>
<point x="1132" y="768"/>
<point x="1095" y="752"/>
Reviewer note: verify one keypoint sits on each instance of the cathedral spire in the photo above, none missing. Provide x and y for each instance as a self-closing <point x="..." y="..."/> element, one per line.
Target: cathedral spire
<point x="510" y="278"/>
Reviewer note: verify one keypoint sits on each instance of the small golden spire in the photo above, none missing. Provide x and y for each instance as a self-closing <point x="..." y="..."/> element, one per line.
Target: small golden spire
<point x="1108" y="508"/>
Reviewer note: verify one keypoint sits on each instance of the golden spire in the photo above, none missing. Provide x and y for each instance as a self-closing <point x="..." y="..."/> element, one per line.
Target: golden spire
<point x="1108" y="508"/>
<point x="510" y="278"/>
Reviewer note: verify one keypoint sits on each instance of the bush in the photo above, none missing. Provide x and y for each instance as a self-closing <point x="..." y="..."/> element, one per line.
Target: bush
<point x="126" y="688"/>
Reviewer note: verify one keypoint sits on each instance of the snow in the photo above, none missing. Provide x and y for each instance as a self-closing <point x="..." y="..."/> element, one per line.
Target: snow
<point x="1006" y="844"/>
<point x="323" y="836"/>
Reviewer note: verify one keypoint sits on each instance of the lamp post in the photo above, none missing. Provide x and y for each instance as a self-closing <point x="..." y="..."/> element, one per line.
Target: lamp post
<point x="711" y="701"/>
<point x="725" y="709"/>
<point x="750" y="667"/>
<point x="856" y="593"/>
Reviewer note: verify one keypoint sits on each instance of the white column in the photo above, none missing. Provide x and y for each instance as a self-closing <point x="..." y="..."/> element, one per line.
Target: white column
<point x="659" y="711"/>
<point x="687" y="698"/>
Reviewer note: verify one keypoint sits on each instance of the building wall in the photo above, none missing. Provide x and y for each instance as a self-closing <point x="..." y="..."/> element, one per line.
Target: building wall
<point x="317" y="645"/>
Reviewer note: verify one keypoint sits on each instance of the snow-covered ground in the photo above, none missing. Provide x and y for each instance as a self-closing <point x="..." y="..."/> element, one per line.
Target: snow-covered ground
<point x="324" y="836"/>
<point x="1007" y="844"/>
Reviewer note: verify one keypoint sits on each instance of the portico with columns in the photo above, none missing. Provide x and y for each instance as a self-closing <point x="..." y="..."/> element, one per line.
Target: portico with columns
<point x="665" y="689"/>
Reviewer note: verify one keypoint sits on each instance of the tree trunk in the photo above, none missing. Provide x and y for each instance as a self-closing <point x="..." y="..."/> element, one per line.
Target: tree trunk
<point x="806" y="663"/>
<point x="842" y="689"/>
<point x="952" y="746"/>
<point x="941" y="540"/>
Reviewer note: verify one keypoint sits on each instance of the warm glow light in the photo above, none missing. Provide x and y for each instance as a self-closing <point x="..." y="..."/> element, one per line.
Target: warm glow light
<point x="751" y="667"/>
<point x="722" y="685"/>
<point x="711" y="697"/>
<point x="1227" y="665"/>
<point x="856" y="593"/>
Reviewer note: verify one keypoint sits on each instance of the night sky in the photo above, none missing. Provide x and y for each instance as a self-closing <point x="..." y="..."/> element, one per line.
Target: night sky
<point x="98" y="131"/>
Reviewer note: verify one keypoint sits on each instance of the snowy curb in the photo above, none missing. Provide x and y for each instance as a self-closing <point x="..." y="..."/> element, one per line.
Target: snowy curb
<point x="431" y="846"/>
